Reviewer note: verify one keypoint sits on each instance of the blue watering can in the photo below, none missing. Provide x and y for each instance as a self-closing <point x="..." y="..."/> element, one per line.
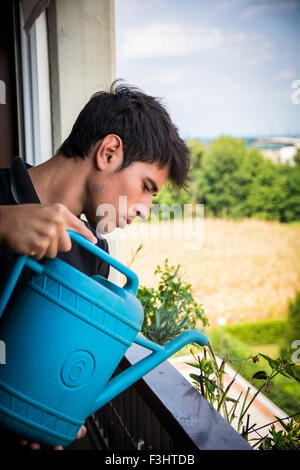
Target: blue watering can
<point x="65" y="334"/>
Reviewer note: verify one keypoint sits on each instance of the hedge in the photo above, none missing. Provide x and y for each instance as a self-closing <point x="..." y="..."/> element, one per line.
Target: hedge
<point x="259" y="332"/>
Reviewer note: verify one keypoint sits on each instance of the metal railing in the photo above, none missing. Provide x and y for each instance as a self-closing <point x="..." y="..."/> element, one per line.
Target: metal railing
<point x="162" y="411"/>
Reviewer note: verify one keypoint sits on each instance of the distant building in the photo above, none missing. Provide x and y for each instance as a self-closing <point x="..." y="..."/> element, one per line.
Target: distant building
<point x="278" y="149"/>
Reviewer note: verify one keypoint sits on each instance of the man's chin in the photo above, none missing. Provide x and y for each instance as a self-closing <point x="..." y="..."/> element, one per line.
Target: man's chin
<point x="102" y="227"/>
<point x="106" y="228"/>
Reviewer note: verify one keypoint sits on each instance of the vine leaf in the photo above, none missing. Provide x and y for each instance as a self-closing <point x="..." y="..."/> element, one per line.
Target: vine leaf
<point x="261" y="375"/>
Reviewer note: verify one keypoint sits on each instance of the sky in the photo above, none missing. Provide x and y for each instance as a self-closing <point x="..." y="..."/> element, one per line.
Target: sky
<point x="221" y="67"/>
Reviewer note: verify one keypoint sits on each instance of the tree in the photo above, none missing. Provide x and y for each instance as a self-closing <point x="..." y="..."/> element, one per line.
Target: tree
<point x="267" y="191"/>
<point x="291" y="206"/>
<point x="234" y="181"/>
<point x="221" y="178"/>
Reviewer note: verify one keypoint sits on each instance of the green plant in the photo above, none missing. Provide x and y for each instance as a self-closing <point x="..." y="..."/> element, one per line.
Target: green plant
<point x="285" y="393"/>
<point x="135" y="254"/>
<point x="210" y="381"/>
<point x="171" y="308"/>
<point x="210" y="384"/>
<point x="286" y="439"/>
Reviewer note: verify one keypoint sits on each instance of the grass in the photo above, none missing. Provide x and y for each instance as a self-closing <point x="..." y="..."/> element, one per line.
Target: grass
<point x="243" y="271"/>
<point x="295" y="222"/>
<point x="271" y="350"/>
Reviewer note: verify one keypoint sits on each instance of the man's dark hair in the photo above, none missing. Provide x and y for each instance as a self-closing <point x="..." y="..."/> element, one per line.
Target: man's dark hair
<point x="143" y="124"/>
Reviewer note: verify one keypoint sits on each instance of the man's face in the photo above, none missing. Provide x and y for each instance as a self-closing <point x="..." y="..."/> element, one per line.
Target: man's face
<point x="120" y="196"/>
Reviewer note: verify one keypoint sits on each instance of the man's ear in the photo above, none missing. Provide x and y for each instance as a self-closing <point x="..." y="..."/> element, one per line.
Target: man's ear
<point x="109" y="152"/>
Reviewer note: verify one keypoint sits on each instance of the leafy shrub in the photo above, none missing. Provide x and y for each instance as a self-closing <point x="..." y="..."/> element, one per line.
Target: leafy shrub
<point x="286" y="439"/>
<point x="170" y="309"/>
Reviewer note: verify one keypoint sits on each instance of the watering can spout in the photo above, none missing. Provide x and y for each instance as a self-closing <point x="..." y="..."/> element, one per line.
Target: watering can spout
<point x="159" y="354"/>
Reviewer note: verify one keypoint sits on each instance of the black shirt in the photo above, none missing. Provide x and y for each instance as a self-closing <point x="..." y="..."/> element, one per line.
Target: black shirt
<point x="16" y="188"/>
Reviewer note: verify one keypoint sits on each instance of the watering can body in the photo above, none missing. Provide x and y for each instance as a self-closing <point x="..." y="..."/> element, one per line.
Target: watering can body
<point x="65" y="334"/>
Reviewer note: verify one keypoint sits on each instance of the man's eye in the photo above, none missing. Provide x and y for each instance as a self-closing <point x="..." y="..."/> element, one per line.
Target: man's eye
<point x="146" y="188"/>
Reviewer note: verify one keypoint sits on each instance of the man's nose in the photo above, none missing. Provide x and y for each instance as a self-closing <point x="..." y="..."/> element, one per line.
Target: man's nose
<point x="142" y="210"/>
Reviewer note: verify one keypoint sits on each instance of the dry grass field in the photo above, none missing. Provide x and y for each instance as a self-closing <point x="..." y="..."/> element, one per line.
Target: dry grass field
<point x="243" y="271"/>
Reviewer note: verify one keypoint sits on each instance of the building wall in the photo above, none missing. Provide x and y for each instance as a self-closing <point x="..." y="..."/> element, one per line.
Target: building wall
<point x="81" y="38"/>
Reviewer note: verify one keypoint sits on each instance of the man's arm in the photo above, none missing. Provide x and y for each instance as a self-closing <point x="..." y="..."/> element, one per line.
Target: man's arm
<point x="39" y="229"/>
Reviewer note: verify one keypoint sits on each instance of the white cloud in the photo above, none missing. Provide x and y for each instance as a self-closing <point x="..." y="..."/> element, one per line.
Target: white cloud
<point x="158" y="40"/>
<point x="250" y="48"/>
<point x="286" y="74"/>
<point x="167" y="39"/>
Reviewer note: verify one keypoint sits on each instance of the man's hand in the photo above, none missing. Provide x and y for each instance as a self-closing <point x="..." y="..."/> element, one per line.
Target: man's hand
<point x="39" y="229"/>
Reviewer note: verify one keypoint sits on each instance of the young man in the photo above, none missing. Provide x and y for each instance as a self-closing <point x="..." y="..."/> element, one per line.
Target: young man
<point x="122" y="147"/>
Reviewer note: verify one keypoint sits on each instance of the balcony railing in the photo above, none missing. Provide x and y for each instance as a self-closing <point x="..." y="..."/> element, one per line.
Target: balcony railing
<point x="162" y="411"/>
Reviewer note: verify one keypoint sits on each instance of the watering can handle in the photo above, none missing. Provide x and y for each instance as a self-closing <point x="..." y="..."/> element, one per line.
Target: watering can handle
<point x="132" y="279"/>
<point x="22" y="260"/>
